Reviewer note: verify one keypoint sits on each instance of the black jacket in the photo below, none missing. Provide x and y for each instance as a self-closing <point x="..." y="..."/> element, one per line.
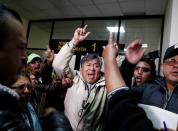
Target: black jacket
<point x="125" y="115"/>
<point x="127" y="71"/>
<point x="155" y="93"/>
<point x="10" y="115"/>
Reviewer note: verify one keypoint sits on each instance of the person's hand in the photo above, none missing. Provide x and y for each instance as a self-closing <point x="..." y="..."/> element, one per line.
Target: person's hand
<point x="134" y="52"/>
<point x="33" y="80"/>
<point x="47" y="111"/>
<point x="49" y="54"/>
<point x="110" y="51"/>
<point x="112" y="73"/>
<point x="66" y="81"/>
<point x="80" y="34"/>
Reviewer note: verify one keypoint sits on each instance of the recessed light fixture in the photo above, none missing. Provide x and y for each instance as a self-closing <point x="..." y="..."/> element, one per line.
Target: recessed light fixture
<point x="115" y="29"/>
<point x="122" y="30"/>
<point x="144" y="45"/>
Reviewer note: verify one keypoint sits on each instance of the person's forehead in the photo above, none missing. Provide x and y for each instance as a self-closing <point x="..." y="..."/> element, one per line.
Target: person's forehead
<point x="176" y="56"/>
<point x="143" y="64"/>
<point x="13" y="23"/>
<point x="35" y="59"/>
<point x="16" y="30"/>
<point x="95" y="60"/>
<point x="21" y="81"/>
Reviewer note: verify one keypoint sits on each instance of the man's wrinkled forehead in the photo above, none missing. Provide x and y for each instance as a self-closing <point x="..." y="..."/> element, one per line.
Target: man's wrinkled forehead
<point x="90" y="57"/>
<point x="36" y="59"/>
<point x="92" y="61"/>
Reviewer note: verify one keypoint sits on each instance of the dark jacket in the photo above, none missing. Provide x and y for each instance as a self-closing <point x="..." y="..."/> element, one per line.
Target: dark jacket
<point x="29" y="116"/>
<point x="10" y="118"/>
<point x="127" y="71"/>
<point x="47" y="94"/>
<point x="9" y="112"/>
<point x="125" y="115"/>
<point x="155" y="93"/>
<point x="56" y="121"/>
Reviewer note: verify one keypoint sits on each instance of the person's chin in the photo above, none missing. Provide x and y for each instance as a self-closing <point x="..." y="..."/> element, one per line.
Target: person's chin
<point x="38" y="74"/>
<point x="139" y="83"/>
<point x="90" y="81"/>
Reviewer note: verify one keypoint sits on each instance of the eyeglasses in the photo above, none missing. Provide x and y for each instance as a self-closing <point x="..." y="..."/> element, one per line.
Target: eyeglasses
<point x="171" y="61"/>
<point x="144" y="69"/>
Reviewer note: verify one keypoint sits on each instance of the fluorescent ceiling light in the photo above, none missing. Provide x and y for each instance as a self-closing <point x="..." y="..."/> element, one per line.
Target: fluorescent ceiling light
<point x="115" y="29"/>
<point x="112" y="29"/>
<point x="122" y="30"/>
<point x="144" y="45"/>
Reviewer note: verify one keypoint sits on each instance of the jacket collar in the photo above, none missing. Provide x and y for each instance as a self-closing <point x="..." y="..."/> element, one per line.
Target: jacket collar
<point x="9" y="91"/>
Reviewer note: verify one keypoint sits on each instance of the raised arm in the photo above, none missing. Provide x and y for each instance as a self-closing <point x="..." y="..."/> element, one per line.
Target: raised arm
<point x="123" y="111"/>
<point x="133" y="55"/>
<point x="134" y="52"/>
<point x="80" y="35"/>
<point x="62" y="59"/>
<point x="112" y="74"/>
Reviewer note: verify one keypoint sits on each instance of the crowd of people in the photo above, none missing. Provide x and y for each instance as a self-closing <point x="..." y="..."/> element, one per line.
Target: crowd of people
<point x="38" y="95"/>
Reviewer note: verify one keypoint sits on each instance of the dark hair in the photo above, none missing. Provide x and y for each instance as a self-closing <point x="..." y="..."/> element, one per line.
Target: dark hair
<point x="24" y="74"/>
<point x="4" y="13"/>
<point x="152" y="65"/>
<point x="89" y="57"/>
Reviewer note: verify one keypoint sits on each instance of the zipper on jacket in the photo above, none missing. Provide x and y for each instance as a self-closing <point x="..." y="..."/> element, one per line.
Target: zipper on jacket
<point x="168" y="98"/>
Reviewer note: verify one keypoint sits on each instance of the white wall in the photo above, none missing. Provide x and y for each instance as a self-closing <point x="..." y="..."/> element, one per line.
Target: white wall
<point x="167" y="25"/>
<point x="38" y="38"/>
<point x="25" y="24"/>
<point x="174" y="24"/>
<point x="170" y="36"/>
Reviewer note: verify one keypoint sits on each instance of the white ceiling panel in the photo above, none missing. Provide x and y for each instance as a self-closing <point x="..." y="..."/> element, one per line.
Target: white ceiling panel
<point x="155" y="7"/>
<point x="81" y="2"/>
<point x="103" y="1"/>
<point x="44" y="9"/>
<point x="69" y="11"/>
<point x="90" y="11"/>
<point x="60" y="3"/>
<point x="132" y="6"/>
<point x="112" y="9"/>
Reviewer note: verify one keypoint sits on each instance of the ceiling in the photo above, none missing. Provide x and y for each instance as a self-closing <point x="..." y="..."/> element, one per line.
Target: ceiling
<point x="56" y="9"/>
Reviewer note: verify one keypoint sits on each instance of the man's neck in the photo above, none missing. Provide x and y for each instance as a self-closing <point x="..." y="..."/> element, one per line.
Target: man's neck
<point x="170" y="87"/>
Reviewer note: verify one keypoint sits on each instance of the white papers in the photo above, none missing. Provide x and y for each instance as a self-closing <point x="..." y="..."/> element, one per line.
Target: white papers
<point x="158" y="115"/>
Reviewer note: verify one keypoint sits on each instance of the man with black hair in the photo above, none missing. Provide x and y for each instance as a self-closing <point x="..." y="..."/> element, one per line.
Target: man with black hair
<point x="144" y="71"/>
<point x="12" y="52"/>
<point x="161" y="91"/>
<point x="123" y="114"/>
<point x="85" y="101"/>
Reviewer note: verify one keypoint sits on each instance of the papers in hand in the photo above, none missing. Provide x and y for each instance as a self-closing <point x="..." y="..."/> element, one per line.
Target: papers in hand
<point x="158" y="115"/>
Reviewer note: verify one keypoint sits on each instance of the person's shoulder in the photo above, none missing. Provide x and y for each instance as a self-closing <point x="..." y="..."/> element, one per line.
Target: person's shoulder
<point x="8" y="98"/>
<point x="10" y="121"/>
<point x="159" y="78"/>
